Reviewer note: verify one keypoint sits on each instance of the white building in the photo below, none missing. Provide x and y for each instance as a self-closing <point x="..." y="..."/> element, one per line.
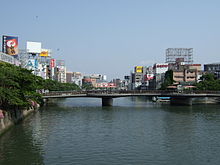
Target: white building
<point x="77" y="78"/>
<point x="160" y="68"/>
<point x="159" y="71"/>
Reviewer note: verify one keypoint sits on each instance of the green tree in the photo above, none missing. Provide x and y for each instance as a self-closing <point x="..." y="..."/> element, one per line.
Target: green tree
<point x="18" y="86"/>
<point x="52" y="85"/>
<point x="168" y="79"/>
<point x="209" y="82"/>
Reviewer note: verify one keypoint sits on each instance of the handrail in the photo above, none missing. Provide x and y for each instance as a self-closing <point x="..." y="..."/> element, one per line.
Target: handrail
<point x="58" y="93"/>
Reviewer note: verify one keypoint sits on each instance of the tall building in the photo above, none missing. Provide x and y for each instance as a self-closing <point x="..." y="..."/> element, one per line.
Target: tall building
<point x="60" y="71"/>
<point x="137" y="77"/>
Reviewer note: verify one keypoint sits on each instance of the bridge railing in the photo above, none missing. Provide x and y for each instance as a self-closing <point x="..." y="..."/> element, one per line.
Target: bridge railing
<point x="56" y="93"/>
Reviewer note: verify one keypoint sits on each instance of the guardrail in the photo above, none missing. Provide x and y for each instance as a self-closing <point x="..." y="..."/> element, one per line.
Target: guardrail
<point x="57" y="93"/>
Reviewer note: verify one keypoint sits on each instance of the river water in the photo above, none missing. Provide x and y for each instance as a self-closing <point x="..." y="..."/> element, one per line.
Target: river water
<point x="134" y="131"/>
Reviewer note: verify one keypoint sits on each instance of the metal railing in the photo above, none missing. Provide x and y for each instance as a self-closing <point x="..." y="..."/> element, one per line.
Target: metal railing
<point x="59" y="93"/>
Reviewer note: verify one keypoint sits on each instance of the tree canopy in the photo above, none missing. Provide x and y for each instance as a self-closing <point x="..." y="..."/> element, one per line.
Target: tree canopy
<point x="209" y="82"/>
<point x="18" y="87"/>
<point x="168" y="79"/>
<point x="52" y="85"/>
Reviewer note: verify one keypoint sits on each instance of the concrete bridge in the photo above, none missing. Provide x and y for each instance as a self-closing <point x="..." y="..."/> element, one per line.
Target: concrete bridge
<point x="107" y="96"/>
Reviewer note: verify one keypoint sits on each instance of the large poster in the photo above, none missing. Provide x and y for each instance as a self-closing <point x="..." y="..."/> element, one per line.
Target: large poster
<point x="10" y="45"/>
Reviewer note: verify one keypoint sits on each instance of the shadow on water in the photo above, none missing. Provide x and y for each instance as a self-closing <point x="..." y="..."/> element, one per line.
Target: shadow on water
<point x="17" y="144"/>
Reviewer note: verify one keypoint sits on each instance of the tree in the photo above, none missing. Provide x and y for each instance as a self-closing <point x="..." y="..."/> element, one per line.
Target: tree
<point x="18" y="87"/>
<point x="168" y="79"/>
<point x="52" y="85"/>
<point x="209" y="82"/>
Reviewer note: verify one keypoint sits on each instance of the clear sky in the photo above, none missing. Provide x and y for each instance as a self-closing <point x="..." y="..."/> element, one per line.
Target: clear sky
<point x="112" y="36"/>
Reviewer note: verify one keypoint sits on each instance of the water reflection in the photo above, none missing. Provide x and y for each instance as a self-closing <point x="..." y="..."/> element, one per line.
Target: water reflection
<point x="18" y="146"/>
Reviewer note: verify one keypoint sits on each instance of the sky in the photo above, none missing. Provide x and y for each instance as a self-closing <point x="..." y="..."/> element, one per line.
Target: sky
<point x="111" y="37"/>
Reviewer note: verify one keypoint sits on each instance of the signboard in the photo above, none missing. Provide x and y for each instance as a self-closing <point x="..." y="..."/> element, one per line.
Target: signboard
<point x="45" y="52"/>
<point x="33" y="47"/>
<point x="148" y="77"/>
<point x="139" y="69"/>
<point x="52" y="63"/>
<point x="32" y="64"/>
<point x="10" y="45"/>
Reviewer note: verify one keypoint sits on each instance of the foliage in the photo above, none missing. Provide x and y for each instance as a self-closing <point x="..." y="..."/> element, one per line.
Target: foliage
<point x="52" y="85"/>
<point x="208" y="83"/>
<point x="87" y="86"/>
<point x="168" y="79"/>
<point x="18" y="86"/>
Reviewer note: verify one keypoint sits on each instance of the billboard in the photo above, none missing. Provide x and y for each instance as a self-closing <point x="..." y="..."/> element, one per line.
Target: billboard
<point x="139" y="69"/>
<point x="45" y="52"/>
<point x="52" y="63"/>
<point x="10" y="45"/>
<point x="33" y="47"/>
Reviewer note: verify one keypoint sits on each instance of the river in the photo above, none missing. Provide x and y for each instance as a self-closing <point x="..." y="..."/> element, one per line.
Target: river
<point x="134" y="131"/>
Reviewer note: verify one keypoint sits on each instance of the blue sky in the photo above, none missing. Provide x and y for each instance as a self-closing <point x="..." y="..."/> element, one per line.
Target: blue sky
<point x="112" y="36"/>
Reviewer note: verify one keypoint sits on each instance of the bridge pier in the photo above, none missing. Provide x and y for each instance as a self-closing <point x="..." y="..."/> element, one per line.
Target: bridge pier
<point x="107" y="101"/>
<point x="181" y="101"/>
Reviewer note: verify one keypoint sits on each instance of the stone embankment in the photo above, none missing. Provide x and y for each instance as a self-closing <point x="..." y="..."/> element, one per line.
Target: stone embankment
<point x="10" y="118"/>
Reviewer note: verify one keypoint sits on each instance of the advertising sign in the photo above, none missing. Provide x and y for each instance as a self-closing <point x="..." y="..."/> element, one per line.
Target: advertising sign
<point x="32" y="64"/>
<point x="10" y="45"/>
<point x="139" y="69"/>
<point x="34" y="47"/>
<point x="148" y="77"/>
<point x="45" y="52"/>
<point x="52" y="63"/>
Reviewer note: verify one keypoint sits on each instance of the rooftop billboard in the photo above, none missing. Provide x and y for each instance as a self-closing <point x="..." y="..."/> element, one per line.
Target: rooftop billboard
<point x="139" y="69"/>
<point x="45" y="52"/>
<point x="10" y="45"/>
<point x="34" y="47"/>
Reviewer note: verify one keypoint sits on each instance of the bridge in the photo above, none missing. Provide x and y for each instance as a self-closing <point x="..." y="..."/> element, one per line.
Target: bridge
<point x="183" y="98"/>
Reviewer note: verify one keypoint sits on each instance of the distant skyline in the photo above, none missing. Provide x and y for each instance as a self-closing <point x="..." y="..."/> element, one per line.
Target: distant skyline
<point x="112" y="36"/>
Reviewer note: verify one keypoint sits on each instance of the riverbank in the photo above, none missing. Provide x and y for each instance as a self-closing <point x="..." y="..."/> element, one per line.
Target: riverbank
<point x="10" y="118"/>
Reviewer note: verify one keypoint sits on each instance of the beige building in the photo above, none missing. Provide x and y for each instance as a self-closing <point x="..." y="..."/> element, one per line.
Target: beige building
<point x="186" y="75"/>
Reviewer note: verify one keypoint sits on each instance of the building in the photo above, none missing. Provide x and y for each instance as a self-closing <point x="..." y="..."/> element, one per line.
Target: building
<point x="77" y="78"/>
<point x="137" y="77"/>
<point x="213" y="68"/>
<point x="69" y="76"/>
<point x="60" y="71"/>
<point x="159" y="70"/>
<point x="186" y="72"/>
<point x="9" y="59"/>
<point x="118" y="83"/>
<point x="126" y="83"/>
<point x="186" y="75"/>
